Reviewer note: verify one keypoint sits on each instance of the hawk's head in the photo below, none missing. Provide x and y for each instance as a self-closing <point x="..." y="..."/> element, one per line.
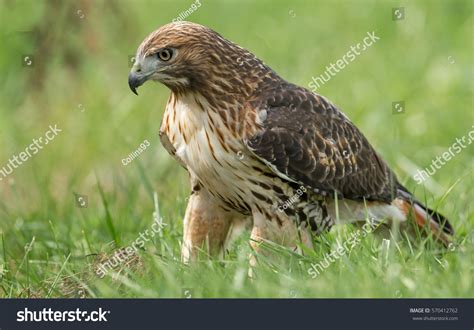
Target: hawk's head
<point x="187" y="56"/>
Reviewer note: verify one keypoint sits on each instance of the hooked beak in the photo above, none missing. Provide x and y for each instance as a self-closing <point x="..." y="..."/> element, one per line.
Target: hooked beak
<point x="136" y="78"/>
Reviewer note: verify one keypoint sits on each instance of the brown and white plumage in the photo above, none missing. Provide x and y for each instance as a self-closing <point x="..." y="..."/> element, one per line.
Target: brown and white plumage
<point x="251" y="141"/>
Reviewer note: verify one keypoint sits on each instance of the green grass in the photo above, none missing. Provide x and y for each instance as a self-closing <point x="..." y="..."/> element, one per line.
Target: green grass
<point x="50" y="247"/>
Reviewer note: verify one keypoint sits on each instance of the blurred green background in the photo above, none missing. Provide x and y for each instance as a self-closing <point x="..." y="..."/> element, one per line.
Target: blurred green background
<point x="80" y="58"/>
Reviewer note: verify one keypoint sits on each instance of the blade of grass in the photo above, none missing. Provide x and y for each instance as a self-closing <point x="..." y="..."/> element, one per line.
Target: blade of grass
<point x="57" y="276"/>
<point x="108" y="217"/>
<point x="28" y="249"/>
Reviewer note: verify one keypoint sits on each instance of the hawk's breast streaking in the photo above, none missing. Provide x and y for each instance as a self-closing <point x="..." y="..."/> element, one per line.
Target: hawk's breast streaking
<point x="252" y="141"/>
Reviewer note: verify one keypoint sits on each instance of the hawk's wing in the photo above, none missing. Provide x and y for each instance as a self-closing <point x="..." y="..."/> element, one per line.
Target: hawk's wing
<point x="306" y="139"/>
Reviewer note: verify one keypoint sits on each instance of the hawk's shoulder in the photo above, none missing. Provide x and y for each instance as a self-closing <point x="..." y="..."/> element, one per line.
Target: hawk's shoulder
<point x="306" y="139"/>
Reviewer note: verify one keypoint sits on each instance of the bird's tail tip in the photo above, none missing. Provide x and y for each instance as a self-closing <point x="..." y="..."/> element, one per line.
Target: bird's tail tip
<point x="425" y="217"/>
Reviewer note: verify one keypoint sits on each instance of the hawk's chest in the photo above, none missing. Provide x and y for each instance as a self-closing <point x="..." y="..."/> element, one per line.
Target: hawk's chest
<point x="203" y="144"/>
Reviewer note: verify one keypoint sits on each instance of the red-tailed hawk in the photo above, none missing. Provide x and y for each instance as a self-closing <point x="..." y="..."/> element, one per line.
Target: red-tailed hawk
<point x="258" y="147"/>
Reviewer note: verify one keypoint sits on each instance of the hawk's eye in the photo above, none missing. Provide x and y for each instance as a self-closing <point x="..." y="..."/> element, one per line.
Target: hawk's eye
<point x="165" y="54"/>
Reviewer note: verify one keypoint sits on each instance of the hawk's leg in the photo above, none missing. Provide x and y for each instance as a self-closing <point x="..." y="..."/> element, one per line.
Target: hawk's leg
<point x="278" y="228"/>
<point x="207" y="226"/>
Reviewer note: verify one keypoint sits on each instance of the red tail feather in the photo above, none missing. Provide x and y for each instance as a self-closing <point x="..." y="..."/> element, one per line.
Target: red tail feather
<point x="425" y="218"/>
